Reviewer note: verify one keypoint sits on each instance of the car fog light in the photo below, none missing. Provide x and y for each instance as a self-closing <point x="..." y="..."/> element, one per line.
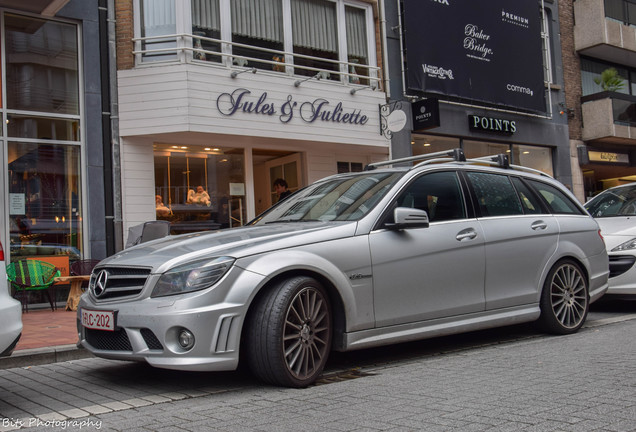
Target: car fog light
<point x="186" y="339"/>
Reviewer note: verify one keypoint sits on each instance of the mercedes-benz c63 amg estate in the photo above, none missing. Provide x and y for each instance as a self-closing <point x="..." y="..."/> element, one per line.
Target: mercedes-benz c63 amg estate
<point x="353" y="261"/>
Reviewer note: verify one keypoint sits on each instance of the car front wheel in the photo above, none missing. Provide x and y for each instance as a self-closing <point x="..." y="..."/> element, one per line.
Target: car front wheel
<point x="289" y="333"/>
<point x="565" y="299"/>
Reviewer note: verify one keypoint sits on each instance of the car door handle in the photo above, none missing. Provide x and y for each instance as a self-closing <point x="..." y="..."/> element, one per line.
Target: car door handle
<point x="467" y="234"/>
<point x="539" y="225"/>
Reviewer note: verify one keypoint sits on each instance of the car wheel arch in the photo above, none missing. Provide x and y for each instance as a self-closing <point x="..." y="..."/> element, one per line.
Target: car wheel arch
<point x="335" y="299"/>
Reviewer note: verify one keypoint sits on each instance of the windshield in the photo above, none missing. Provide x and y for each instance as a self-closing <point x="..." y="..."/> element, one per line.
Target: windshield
<point x="342" y="198"/>
<point x="613" y="202"/>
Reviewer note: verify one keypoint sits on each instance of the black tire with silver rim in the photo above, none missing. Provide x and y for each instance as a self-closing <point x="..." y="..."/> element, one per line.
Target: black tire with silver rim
<point x="288" y="336"/>
<point x="565" y="298"/>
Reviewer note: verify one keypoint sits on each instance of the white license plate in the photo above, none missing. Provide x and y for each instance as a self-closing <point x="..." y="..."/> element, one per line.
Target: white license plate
<point x="98" y="320"/>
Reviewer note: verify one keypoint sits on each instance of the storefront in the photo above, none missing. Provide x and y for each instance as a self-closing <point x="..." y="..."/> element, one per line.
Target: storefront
<point x="210" y="161"/>
<point x="43" y="213"/>
<point x="606" y="166"/>
<point x="217" y="102"/>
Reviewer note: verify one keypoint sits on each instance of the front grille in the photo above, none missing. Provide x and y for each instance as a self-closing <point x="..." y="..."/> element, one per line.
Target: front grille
<point x="108" y="340"/>
<point x="114" y="282"/>
<point x="151" y="340"/>
<point x="620" y="264"/>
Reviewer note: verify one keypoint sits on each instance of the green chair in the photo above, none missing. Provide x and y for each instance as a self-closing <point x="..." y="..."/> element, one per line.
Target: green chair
<point x="26" y="276"/>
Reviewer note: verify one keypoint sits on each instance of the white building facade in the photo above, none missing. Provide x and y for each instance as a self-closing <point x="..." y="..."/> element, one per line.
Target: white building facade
<point x="226" y="96"/>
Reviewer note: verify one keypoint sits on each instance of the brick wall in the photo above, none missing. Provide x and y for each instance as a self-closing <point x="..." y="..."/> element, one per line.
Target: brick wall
<point x="125" y="33"/>
<point x="571" y="67"/>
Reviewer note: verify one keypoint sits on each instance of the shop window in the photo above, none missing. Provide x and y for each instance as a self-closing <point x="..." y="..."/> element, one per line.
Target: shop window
<point x="476" y="149"/>
<point x="42" y="64"/>
<point x="345" y="167"/>
<point x="199" y="188"/>
<point x="539" y="158"/>
<point x="40" y="127"/>
<point x="158" y="19"/>
<point x="424" y="144"/>
<point x="45" y="210"/>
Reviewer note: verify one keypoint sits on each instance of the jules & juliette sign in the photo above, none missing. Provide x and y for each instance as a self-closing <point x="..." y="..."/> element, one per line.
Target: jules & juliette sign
<point x="310" y="111"/>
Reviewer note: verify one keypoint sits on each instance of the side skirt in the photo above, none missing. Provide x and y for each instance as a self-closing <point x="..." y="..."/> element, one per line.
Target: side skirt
<point x="438" y="327"/>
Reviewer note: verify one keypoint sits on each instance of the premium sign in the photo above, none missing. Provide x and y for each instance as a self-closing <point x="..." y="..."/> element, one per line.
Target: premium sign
<point x="242" y="100"/>
<point x="485" y="51"/>
<point x="425" y="114"/>
<point x="490" y="124"/>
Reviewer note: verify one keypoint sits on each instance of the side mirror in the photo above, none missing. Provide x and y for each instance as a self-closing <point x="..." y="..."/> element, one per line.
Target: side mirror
<point x="406" y="217"/>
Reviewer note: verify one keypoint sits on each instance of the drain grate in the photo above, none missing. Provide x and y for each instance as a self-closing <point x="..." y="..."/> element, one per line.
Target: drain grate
<point x="341" y="376"/>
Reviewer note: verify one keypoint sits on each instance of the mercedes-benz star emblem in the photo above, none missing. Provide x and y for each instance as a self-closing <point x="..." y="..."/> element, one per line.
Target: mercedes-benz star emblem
<point x="100" y="283"/>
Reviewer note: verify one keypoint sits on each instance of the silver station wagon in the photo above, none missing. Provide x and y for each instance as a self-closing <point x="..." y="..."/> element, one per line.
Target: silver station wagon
<point x="353" y="261"/>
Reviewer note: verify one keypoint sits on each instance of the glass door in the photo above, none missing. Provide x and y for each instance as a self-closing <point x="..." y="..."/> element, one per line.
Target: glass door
<point x="288" y="169"/>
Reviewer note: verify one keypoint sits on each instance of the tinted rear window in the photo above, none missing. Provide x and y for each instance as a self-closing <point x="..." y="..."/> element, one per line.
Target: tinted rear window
<point x="557" y="201"/>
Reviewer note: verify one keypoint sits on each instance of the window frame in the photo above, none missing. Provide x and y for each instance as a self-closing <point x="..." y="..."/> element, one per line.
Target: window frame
<point x="183" y="17"/>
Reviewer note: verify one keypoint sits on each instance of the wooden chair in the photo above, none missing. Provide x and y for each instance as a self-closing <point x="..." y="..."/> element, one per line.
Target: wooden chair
<point x="26" y="276"/>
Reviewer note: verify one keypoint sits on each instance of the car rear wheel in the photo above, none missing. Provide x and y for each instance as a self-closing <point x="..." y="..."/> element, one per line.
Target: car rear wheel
<point x="565" y="299"/>
<point x="289" y="333"/>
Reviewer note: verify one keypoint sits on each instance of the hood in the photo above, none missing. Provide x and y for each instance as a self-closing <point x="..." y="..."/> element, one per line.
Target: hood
<point x="617" y="230"/>
<point x="165" y="253"/>
<point x="621" y="225"/>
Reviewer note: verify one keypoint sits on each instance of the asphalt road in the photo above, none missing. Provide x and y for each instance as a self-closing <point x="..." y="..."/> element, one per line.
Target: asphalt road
<point x="508" y="379"/>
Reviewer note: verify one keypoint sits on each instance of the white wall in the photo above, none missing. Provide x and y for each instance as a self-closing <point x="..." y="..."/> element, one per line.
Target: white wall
<point x="183" y="97"/>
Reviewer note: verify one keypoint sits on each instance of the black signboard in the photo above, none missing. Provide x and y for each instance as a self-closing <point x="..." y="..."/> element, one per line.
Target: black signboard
<point x="425" y="114"/>
<point x="476" y="50"/>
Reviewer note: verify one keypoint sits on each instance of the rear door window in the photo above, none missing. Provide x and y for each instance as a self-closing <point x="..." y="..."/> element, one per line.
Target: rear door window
<point x="529" y="201"/>
<point x="495" y="194"/>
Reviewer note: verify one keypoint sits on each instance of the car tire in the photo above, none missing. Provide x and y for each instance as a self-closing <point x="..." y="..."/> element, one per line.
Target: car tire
<point x="565" y="298"/>
<point x="289" y="333"/>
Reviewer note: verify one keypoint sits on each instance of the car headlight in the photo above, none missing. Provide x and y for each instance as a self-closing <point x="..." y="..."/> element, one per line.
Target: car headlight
<point x="192" y="276"/>
<point x="628" y="245"/>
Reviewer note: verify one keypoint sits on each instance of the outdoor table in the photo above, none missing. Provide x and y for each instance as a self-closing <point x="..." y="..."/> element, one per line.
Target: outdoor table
<point x="76" y="289"/>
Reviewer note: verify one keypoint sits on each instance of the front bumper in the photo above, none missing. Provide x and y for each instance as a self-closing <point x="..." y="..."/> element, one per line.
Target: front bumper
<point x="147" y="329"/>
<point x="150" y="333"/>
<point x="622" y="279"/>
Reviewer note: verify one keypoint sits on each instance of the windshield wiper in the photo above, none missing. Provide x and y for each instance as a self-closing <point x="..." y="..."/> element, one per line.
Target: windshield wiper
<point x="292" y="220"/>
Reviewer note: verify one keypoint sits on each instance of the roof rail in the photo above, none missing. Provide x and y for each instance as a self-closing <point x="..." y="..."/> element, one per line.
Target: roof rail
<point x="502" y="160"/>
<point x="454" y="155"/>
<point x="499" y="160"/>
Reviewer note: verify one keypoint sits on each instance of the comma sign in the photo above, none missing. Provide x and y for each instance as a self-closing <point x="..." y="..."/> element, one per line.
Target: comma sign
<point x="318" y="110"/>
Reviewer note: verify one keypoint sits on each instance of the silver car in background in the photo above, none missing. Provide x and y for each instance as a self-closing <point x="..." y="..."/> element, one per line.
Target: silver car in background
<point x="353" y="261"/>
<point x="10" y="314"/>
<point x="615" y="211"/>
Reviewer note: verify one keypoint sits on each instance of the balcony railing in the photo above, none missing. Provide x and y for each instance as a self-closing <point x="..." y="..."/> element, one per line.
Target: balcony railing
<point x="188" y="48"/>
<point x="623" y="106"/>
